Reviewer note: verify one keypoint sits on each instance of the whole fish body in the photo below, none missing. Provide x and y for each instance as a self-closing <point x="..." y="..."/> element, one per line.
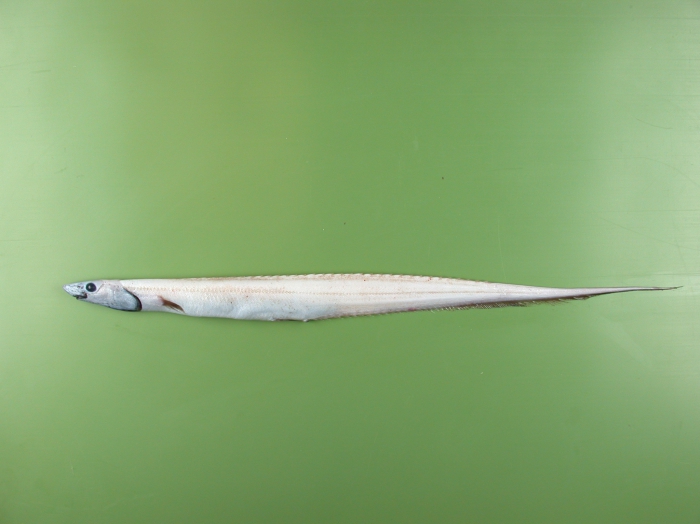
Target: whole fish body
<point x="316" y="297"/>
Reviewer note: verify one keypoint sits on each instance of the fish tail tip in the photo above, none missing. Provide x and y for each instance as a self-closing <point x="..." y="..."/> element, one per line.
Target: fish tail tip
<point x="655" y="288"/>
<point x="638" y="288"/>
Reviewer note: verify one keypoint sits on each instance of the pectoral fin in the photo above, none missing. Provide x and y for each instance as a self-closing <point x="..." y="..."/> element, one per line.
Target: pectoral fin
<point x="171" y="305"/>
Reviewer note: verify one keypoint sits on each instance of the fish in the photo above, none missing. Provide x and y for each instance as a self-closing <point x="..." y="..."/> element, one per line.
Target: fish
<point x="318" y="297"/>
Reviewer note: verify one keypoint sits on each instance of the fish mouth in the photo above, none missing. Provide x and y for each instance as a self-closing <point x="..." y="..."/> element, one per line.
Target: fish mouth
<point x="75" y="290"/>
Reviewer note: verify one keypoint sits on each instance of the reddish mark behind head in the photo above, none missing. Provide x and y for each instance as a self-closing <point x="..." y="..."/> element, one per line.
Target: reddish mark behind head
<point x="171" y="305"/>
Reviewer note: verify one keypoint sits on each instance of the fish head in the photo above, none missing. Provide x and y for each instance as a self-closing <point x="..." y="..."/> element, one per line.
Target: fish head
<point x="109" y="293"/>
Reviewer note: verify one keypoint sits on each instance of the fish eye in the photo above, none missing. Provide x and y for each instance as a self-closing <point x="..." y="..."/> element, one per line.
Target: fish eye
<point x="90" y="287"/>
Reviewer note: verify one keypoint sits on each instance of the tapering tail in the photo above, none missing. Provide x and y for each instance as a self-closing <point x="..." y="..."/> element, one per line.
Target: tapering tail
<point x="544" y="295"/>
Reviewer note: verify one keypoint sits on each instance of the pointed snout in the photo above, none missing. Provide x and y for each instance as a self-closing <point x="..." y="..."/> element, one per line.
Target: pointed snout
<point x="75" y="290"/>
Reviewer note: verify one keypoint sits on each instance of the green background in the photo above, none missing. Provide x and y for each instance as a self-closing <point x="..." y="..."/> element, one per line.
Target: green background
<point x="544" y="143"/>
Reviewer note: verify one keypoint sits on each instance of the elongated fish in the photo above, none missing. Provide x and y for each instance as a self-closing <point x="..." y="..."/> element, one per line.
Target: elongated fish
<point x="316" y="297"/>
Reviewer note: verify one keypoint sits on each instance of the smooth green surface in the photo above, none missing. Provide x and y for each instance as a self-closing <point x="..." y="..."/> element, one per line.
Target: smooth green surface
<point x="541" y="143"/>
